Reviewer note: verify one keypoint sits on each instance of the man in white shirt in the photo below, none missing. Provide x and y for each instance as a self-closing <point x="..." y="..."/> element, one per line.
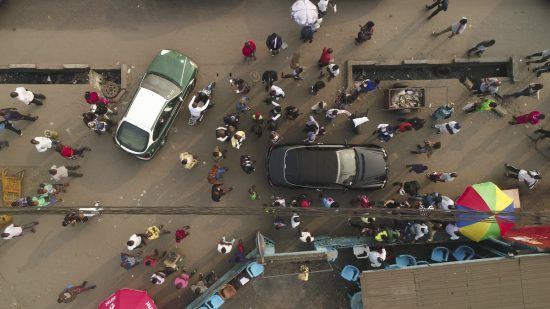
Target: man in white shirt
<point x="276" y="92"/>
<point x="136" y="241"/>
<point x="333" y="71"/>
<point x="333" y="112"/>
<point x="455" y="28"/>
<point x="58" y="173"/>
<point x="489" y="85"/>
<point x="225" y="246"/>
<point x="13" y="230"/>
<point x="481" y="47"/>
<point x="376" y="258"/>
<point x="451" y="229"/>
<point x="27" y="96"/>
<point x="306" y="237"/>
<point x="451" y="127"/>
<point x="42" y="143"/>
<point x="446" y="203"/>
<point x="545" y="55"/>
<point x="419" y="230"/>
<point x="530" y="178"/>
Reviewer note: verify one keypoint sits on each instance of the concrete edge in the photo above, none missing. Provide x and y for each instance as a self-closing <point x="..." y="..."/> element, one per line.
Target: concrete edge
<point x="124" y="76"/>
<point x="415" y="61"/>
<point x="76" y="66"/>
<point x="22" y="66"/>
<point x="480" y="60"/>
<point x="513" y="66"/>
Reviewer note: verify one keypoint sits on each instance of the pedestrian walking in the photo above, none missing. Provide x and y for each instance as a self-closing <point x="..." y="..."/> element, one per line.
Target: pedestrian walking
<point x="307" y="33"/>
<point x="258" y="118"/>
<point x="274" y="43"/>
<point x="247" y="164"/>
<point x="544" y="56"/>
<point x="188" y="160"/>
<point x="417" y="123"/>
<point x="384" y="132"/>
<point x="93" y="97"/>
<point x="530" y="178"/>
<point x="317" y="87"/>
<point x="332" y="113"/>
<point x="71" y="292"/>
<point x="451" y="229"/>
<point x="11" y="114"/>
<point x="322" y="6"/>
<point x="480" y="48"/>
<point x="333" y="70"/>
<point x="442" y="5"/>
<point x="486" y="105"/>
<point x="365" y="33"/>
<point x="136" y="241"/>
<point x="242" y="105"/>
<point x="224" y="246"/>
<point x="292" y="112"/>
<point x="8" y="125"/>
<point x="533" y="118"/>
<point x="268" y="78"/>
<point x="417" y="168"/>
<point x="249" y="50"/>
<point x="451" y="127"/>
<point x="27" y="97"/>
<point x="326" y="57"/>
<point x="41" y="143"/>
<point x="253" y="194"/>
<point x="442" y="177"/>
<point x="71" y="153"/>
<point x="219" y="153"/>
<point x="306" y="237"/>
<point x="58" y="173"/>
<point x="238" y="139"/>
<point x="295" y="74"/>
<point x="12" y="230"/>
<point x="152" y="259"/>
<point x="218" y="192"/>
<point x="239" y="85"/>
<point x="531" y="90"/>
<point x="295" y="220"/>
<point x="542" y="69"/>
<point x="327" y="201"/>
<point x="153" y="232"/>
<point x="487" y="86"/>
<point x="182" y="233"/>
<point x="455" y="28"/>
<point x="274" y="137"/>
<point x="129" y="261"/>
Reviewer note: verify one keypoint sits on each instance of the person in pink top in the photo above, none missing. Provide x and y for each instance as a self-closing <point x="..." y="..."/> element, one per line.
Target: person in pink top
<point x="533" y="117"/>
<point x="249" y="50"/>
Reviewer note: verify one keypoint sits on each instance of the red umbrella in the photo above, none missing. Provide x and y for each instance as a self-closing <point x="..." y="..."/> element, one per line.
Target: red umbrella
<point x="128" y="299"/>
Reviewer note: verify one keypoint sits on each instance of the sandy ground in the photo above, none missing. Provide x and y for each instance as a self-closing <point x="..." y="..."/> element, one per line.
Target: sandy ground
<point x="35" y="268"/>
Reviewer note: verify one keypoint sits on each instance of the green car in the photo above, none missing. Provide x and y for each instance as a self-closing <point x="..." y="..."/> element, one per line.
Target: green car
<point x="155" y="105"/>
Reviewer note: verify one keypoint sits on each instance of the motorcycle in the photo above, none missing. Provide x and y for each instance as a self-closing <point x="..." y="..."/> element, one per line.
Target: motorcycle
<point x="201" y="100"/>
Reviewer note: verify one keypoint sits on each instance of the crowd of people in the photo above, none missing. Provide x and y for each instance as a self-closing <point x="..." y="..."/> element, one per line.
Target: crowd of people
<point x="233" y="133"/>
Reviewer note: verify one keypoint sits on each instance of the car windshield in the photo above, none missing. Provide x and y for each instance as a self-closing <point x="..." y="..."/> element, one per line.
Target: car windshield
<point x="347" y="166"/>
<point x="132" y="137"/>
<point x="161" y="86"/>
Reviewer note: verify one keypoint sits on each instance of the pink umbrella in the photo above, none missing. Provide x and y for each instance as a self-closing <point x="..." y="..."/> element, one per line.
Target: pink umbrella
<point x="128" y="299"/>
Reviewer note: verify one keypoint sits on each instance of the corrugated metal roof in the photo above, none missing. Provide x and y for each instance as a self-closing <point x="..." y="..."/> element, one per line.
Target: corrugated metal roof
<point x="520" y="282"/>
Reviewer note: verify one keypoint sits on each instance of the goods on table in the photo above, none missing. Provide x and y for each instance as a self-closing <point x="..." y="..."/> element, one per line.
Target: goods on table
<point x="406" y="98"/>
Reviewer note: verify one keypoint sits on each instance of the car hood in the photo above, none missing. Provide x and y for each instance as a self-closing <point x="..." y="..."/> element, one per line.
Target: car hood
<point x="175" y="66"/>
<point x="372" y="167"/>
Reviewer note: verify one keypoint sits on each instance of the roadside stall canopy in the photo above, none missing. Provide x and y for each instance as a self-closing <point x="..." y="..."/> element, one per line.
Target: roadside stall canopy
<point x="484" y="211"/>
<point x="128" y="299"/>
<point x="532" y="236"/>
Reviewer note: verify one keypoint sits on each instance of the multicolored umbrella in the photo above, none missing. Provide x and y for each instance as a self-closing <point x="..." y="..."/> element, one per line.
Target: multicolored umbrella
<point x="128" y="299"/>
<point x="484" y="212"/>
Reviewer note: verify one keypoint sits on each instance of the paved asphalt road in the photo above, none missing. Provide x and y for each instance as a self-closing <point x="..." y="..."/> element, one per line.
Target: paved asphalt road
<point x="33" y="269"/>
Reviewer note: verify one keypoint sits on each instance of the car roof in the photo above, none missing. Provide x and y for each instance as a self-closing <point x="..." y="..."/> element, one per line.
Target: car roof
<point x="303" y="165"/>
<point x="175" y="66"/>
<point x="145" y="108"/>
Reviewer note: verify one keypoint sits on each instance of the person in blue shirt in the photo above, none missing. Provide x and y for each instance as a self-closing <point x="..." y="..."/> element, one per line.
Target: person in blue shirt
<point x="327" y="201"/>
<point x="369" y="85"/>
<point x="442" y="5"/>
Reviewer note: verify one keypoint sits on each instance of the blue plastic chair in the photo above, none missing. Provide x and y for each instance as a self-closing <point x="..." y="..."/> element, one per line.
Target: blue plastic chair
<point x="254" y="269"/>
<point x="214" y="302"/>
<point x="440" y="254"/>
<point x="422" y="263"/>
<point x="392" y="266"/>
<point x="464" y="253"/>
<point x="350" y="273"/>
<point x="405" y="260"/>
